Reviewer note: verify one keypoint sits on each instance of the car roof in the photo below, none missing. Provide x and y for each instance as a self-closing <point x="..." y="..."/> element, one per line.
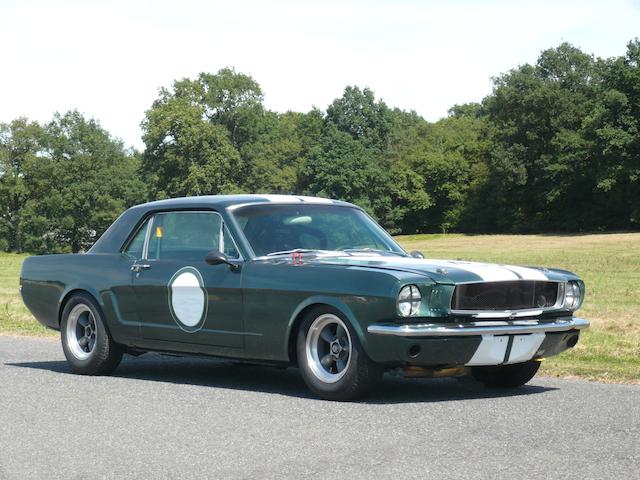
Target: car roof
<point x="235" y="201"/>
<point x="121" y="229"/>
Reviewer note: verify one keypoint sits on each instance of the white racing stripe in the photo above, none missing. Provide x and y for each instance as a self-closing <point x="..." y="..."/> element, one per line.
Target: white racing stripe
<point x="488" y="273"/>
<point x="493" y="273"/>
<point x="314" y="199"/>
<point x="294" y="199"/>
<point x="490" y="351"/>
<point x="493" y="348"/>
<point x="524" y="347"/>
<point x="528" y="273"/>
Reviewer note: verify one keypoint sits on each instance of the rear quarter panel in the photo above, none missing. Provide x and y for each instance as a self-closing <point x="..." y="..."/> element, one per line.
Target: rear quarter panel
<point x="47" y="280"/>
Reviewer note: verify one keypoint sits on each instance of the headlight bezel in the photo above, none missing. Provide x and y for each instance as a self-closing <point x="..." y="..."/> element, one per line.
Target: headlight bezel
<point x="408" y="301"/>
<point x="573" y="295"/>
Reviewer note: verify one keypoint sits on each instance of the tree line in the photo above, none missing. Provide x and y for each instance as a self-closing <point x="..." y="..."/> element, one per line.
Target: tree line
<point x="554" y="147"/>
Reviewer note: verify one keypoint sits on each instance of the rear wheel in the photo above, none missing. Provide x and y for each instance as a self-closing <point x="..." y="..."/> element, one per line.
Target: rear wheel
<point x="86" y="342"/>
<point x="333" y="363"/>
<point x="506" y="376"/>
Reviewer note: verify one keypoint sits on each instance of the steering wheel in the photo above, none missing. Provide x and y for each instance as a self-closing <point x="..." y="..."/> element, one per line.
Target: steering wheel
<point x="318" y="234"/>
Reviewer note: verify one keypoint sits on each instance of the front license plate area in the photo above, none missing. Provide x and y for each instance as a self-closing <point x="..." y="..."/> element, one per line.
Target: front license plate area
<point x="506" y="349"/>
<point x="524" y="347"/>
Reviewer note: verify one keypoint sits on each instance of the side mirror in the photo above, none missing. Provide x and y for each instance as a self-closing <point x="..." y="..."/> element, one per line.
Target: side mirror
<point x="416" y="254"/>
<point x="214" y="257"/>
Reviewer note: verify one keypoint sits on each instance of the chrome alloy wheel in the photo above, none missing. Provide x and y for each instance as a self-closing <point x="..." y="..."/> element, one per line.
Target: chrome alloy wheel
<point x="328" y="348"/>
<point x="81" y="331"/>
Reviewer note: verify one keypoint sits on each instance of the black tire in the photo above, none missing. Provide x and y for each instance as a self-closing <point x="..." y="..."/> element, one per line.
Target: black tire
<point x="360" y="374"/>
<point x="104" y="355"/>
<point x="506" y="376"/>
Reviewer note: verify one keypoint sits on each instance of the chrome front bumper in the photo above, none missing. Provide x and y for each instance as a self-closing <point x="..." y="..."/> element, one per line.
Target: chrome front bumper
<point x="515" y="327"/>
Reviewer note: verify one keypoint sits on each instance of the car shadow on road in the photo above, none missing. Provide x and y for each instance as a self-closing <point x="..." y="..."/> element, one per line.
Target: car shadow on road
<point x="236" y="376"/>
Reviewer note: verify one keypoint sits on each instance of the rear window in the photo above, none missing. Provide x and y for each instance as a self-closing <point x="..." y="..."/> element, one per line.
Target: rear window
<point x="136" y="245"/>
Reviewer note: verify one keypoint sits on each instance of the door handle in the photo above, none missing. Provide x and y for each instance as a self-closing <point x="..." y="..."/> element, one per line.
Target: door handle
<point x="136" y="267"/>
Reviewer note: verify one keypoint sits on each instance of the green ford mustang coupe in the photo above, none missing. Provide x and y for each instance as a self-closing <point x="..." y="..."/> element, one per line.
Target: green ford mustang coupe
<point x="292" y="280"/>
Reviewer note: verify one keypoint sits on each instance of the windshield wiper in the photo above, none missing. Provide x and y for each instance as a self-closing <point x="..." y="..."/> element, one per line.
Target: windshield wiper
<point x="301" y="250"/>
<point x="374" y="250"/>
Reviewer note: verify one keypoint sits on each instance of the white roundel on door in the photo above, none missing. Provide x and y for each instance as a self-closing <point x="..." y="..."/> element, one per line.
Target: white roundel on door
<point x="188" y="299"/>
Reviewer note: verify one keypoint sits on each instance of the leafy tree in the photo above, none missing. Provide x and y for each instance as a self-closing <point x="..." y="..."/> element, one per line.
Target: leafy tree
<point x="81" y="183"/>
<point x="359" y="114"/>
<point x="536" y="154"/>
<point x="233" y="100"/>
<point x="194" y="134"/>
<point x="444" y="160"/>
<point x="276" y="156"/>
<point x="19" y="144"/>
<point x="186" y="154"/>
<point x="612" y="129"/>
<point x="352" y="160"/>
<point x="468" y="110"/>
<point x="342" y="167"/>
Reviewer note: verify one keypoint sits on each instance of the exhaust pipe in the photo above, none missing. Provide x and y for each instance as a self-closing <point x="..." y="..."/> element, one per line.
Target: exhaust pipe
<point x="425" y="372"/>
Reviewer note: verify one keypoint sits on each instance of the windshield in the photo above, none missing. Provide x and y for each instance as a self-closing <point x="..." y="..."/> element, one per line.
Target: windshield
<point x="276" y="229"/>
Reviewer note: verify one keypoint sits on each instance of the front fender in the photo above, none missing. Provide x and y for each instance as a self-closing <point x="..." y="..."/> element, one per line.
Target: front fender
<point x="334" y="302"/>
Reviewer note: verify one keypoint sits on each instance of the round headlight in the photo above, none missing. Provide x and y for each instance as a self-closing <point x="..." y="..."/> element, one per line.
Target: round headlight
<point x="409" y="301"/>
<point x="572" y="295"/>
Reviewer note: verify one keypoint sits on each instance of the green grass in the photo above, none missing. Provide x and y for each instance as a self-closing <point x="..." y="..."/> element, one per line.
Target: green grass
<point x="15" y="319"/>
<point x="610" y="266"/>
<point x="608" y="263"/>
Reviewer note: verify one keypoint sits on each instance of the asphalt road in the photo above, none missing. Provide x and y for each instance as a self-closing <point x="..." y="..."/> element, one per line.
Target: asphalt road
<point x="168" y="417"/>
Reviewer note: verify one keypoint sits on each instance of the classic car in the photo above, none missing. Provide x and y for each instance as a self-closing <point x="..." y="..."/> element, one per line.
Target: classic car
<point x="297" y="281"/>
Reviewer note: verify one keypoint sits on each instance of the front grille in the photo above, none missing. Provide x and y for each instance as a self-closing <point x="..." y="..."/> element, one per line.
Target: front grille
<point x="516" y="295"/>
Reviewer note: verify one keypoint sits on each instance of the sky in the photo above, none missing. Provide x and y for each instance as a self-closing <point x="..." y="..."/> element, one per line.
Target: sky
<point x="108" y="59"/>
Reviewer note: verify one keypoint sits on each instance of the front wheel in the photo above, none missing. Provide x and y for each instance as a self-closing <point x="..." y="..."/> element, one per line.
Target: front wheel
<point x="506" y="376"/>
<point x="333" y="363"/>
<point x="86" y="342"/>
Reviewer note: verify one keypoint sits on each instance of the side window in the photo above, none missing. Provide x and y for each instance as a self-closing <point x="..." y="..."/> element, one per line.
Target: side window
<point x="184" y="235"/>
<point x="136" y="245"/>
<point x="229" y="247"/>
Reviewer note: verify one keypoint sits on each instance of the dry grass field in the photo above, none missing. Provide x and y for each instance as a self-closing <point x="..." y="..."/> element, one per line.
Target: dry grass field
<point x="608" y="263"/>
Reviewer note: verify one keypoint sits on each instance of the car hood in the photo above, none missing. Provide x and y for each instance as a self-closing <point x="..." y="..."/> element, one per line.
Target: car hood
<point x="447" y="271"/>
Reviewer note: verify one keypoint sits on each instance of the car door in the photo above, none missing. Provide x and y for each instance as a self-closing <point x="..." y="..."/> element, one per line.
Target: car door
<point x="180" y="297"/>
<point x="124" y="297"/>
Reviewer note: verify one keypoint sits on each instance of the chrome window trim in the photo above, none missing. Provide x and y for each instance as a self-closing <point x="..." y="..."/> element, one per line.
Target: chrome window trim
<point x="224" y="227"/>
<point x="123" y="249"/>
<point x="236" y="226"/>
<point x="221" y="238"/>
<point x="145" y="247"/>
